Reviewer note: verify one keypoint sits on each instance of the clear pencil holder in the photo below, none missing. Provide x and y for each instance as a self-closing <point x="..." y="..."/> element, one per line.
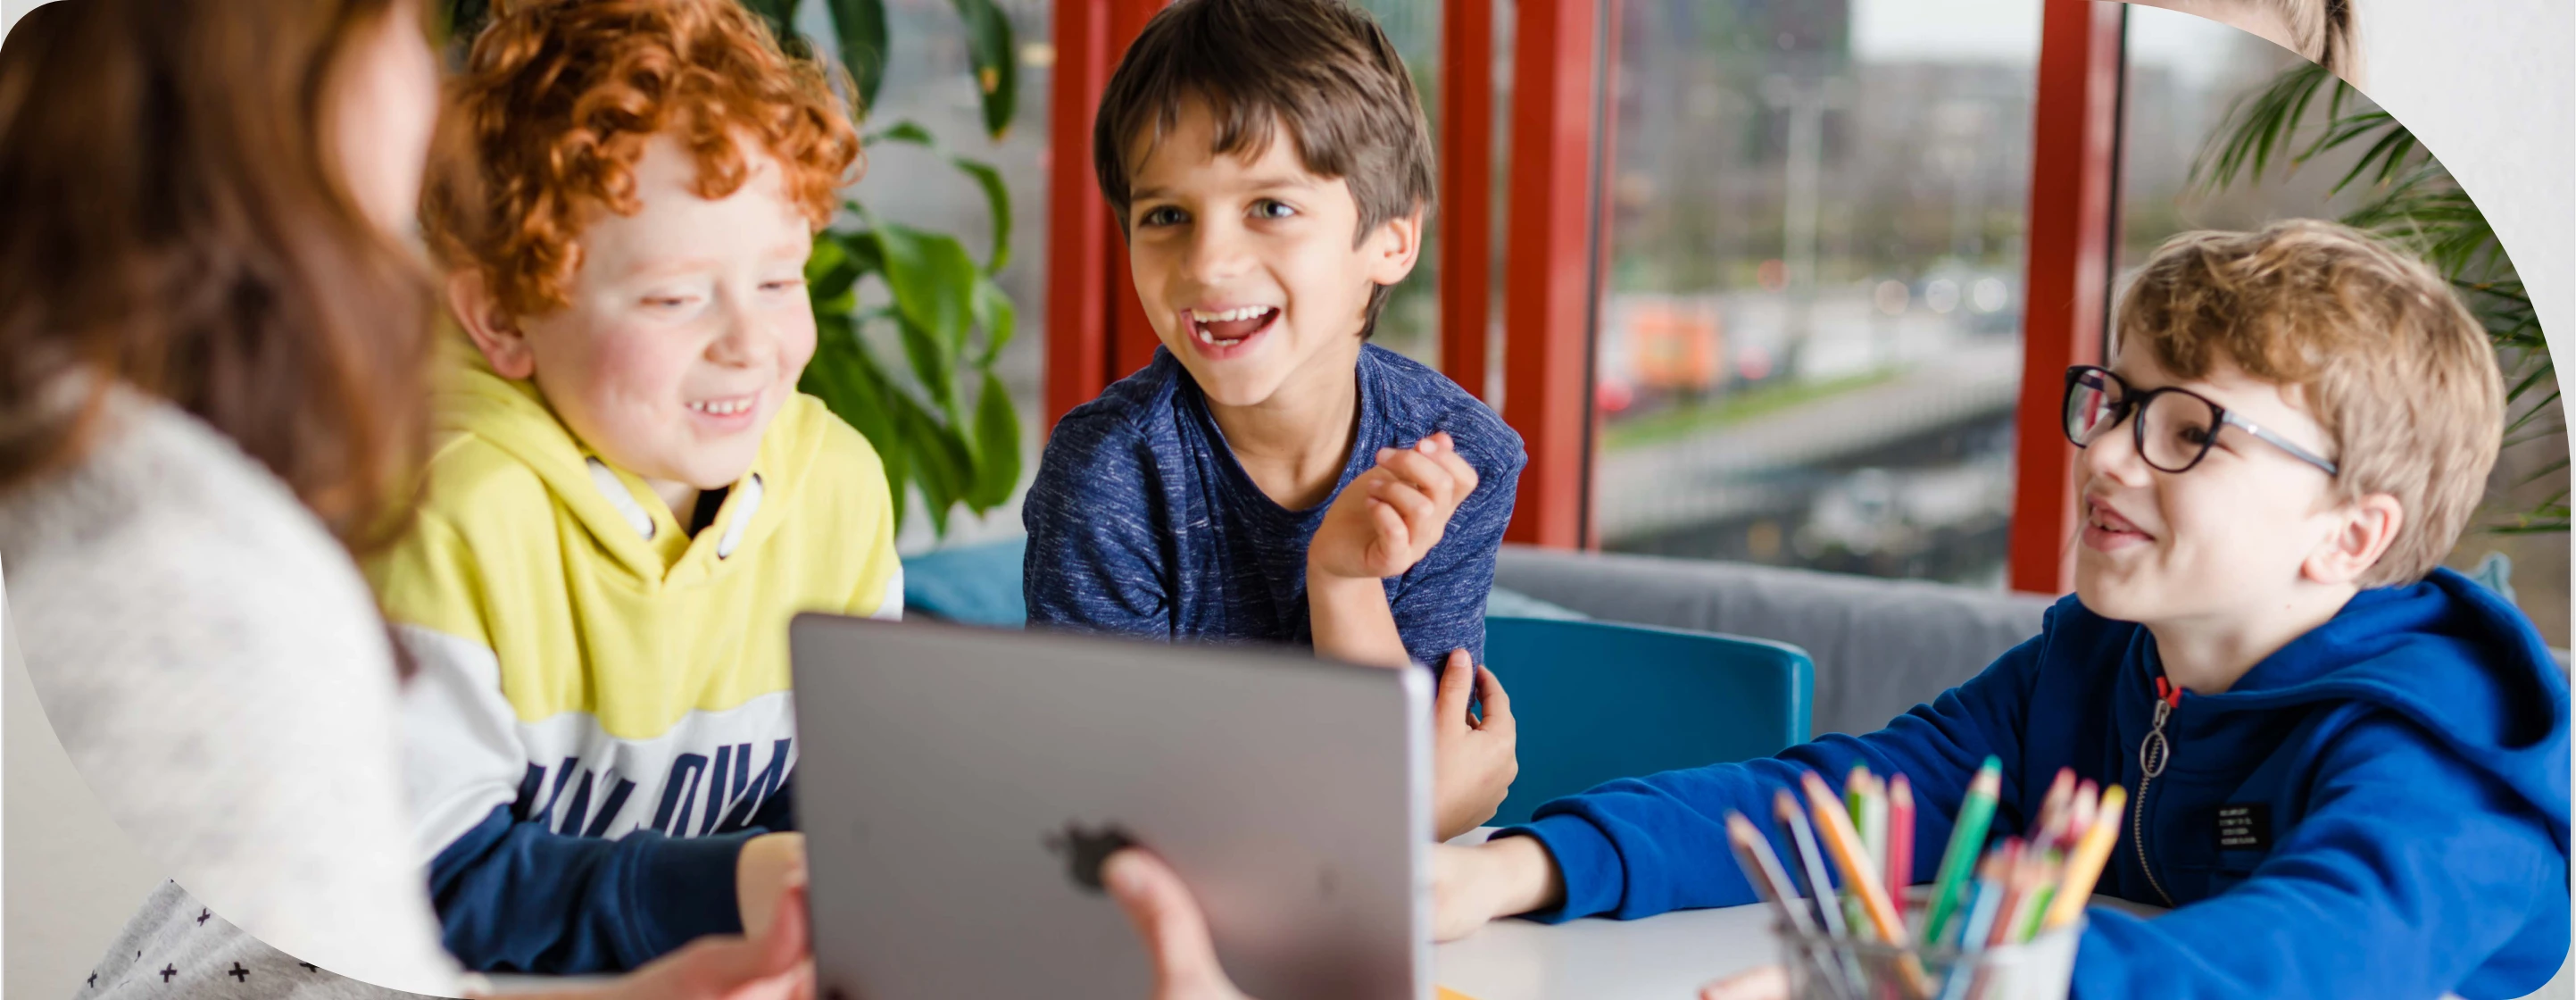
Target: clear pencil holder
<point x="1822" y="967"/>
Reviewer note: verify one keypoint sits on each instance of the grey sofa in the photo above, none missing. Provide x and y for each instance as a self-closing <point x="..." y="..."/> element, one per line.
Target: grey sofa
<point x="1880" y="646"/>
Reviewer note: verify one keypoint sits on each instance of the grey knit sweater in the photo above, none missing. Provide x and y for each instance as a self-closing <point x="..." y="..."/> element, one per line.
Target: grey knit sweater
<point x="216" y="668"/>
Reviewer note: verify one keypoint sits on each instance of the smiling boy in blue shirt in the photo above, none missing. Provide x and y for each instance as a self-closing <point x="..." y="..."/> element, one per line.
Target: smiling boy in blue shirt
<point x="2296" y="426"/>
<point x="1271" y="476"/>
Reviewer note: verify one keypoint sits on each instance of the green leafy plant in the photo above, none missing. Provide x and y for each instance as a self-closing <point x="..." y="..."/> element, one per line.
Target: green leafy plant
<point x="943" y="422"/>
<point x="2302" y="113"/>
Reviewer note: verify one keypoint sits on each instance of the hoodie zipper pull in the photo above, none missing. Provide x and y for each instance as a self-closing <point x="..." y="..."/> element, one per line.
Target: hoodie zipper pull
<point x="2153" y="753"/>
<point x="2155" y="750"/>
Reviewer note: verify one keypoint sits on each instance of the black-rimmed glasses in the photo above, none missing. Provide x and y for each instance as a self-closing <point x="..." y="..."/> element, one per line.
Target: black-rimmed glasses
<point x="2175" y="426"/>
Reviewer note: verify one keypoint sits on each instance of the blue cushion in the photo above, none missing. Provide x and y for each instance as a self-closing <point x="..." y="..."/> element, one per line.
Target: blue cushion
<point x="1514" y="604"/>
<point x="972" y="584"/>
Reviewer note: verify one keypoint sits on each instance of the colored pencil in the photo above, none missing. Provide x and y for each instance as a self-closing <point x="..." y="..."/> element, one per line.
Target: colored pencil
<point x="1980" y="916"/>
<point x="1873" y="829"/>
<point x="2035" y="908"/>
<point x="1856" y="787"/>
<point x="1835" y="829"/>
<point x="1967" y="841"/>
<point x="2030" y="883"/>
<point x="2080" y="810"/>
<point x="1900" y="836"/>
<point x="1811" y="861"/>
<point x="2085" y="866"/>
<point x="1762" y="868"/>
<point x="2037" y="880"/>
<point x="1855" y="802"/>
<point x="2016" y="880"/>
<point x="2053" y="809"/>
<point x="1980" y="920"/>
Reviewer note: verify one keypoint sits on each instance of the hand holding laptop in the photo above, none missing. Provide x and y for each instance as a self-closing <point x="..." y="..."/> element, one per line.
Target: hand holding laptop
<point x="776" y="965"/>
<point x="1473" y="761"/>
<point x="1167" y="918"/>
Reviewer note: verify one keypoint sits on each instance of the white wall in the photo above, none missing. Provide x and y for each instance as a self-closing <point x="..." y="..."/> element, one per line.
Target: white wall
<point x="70" y="878"/>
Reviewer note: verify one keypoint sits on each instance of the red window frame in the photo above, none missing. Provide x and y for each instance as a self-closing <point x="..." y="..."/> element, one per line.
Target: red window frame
<point x="2074" y="168"/>
<point x="1096" y="329"/>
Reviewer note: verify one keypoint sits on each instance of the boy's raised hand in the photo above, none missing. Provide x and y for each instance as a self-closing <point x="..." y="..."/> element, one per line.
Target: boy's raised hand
<point x="1473" y="761"/>
<point x="1390" y="515"/>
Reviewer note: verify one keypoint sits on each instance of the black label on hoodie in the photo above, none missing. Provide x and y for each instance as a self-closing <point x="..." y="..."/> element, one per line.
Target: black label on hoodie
<point x="2245" y="826"/>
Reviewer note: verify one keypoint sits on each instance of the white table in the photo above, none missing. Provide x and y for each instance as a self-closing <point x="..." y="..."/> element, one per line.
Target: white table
<point x="1667" y="957"/>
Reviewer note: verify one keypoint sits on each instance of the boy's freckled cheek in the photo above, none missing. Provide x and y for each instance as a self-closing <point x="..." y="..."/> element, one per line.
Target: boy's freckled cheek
<point x="627" y="366"/>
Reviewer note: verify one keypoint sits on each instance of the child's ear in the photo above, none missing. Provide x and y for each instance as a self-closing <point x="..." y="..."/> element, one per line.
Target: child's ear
<point x="2363" y="530"/>
<point x="495" y="331"/>
<point x="1394" y="248"/>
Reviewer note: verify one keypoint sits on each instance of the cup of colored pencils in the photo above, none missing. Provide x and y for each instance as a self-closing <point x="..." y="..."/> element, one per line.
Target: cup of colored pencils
<point x="1996" y="922"/>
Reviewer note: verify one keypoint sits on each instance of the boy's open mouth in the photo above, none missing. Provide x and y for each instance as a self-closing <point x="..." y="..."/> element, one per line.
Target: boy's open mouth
<point x="1228" y="328"/>
<point x="2105" y="529"/>
<point x="728" y="406"/>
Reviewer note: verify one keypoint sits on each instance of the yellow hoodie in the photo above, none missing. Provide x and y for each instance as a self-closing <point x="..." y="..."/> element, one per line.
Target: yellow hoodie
<point x="583" y="661"/>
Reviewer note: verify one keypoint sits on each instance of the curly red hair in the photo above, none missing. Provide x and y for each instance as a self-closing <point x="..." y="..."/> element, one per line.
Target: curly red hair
<point x="558" y="100"/>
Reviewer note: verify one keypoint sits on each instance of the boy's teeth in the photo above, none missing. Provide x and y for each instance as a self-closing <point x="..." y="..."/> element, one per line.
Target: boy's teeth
<point x="722" y="409"/>
<point x="1230" y="315"/>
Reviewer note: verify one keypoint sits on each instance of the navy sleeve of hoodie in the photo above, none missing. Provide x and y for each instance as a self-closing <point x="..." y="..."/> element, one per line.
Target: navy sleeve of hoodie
<point x="515" y="896"/>
<point x="1637" y="847"/>
<point x="2410" y="876"/>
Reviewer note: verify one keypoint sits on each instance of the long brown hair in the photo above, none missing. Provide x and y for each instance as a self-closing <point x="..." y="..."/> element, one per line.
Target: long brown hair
<point x="176" y="222"/>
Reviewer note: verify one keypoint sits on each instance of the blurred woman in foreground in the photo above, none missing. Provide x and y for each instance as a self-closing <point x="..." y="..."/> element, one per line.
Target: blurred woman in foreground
<point x="213" y="323"/>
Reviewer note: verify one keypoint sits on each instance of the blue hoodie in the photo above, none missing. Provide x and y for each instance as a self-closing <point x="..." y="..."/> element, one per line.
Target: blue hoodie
<point x="2406" y="764"/>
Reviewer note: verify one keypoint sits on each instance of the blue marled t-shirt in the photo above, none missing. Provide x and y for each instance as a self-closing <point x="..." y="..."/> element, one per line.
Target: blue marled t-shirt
<point x="1142" y="523"/>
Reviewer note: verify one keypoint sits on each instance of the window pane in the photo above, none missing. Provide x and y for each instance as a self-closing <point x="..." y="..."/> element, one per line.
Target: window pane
<point x="2184" y="74"/>
<point x="1410" y="325"/>
<point x="1810" y="330"/>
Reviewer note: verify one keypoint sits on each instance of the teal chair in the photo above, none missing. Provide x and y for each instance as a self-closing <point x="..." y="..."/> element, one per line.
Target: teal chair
<point x="1598" y="700"/>
<point x="968" y="584"/>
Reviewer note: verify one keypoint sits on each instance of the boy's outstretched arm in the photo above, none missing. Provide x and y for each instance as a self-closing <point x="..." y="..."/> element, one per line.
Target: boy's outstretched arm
<point x="2410" y="872"/>
<point x="1636" y="847"/>
<point x="514" y="896"/>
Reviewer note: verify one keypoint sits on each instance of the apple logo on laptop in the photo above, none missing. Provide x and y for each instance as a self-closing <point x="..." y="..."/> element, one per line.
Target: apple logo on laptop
<point x="1086" y="849"/>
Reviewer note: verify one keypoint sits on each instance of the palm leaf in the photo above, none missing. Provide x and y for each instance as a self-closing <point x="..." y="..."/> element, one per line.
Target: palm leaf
<point x="997" y="446"/>
<point x="987" y="178"/>
<point x="2259" y="128"/>
<point x="2416" y="203"/>
<point x="860" y="26"/>
<point x="990" y="50"/>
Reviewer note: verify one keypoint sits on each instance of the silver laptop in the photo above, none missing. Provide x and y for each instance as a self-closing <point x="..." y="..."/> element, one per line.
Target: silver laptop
<point x="958" y="788"/>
